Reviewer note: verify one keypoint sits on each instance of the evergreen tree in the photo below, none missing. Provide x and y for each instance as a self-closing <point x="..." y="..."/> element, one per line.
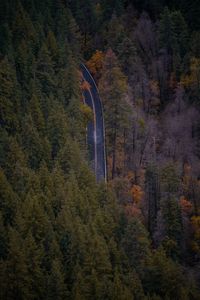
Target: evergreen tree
<point x="9" y="97"/>
<point x="114" y="87"/>
<point x="173" y="33"/>
<point x="6" y="40"/>
<point x="169" y="222"/>
<point x="17" y="284"/>
<point x="56" y="286"/>
<point x="136" y="245"/>
<point x="164" y="278"/>
<point x="166" y="33"/>
<point x="8" y="202"/>
<point x="22" y="27"/>
<point x="62" y="235"/>
<point x="115" y="33"/>
<point x="36" y="114"/>
<point x="45" y="71"/>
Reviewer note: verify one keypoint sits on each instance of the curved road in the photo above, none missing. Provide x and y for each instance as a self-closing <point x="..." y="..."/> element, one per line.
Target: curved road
<point x="95" y="129"/>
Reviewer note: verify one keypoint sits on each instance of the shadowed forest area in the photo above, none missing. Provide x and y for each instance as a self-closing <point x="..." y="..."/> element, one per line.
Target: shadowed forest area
<point x="62" y="235"/>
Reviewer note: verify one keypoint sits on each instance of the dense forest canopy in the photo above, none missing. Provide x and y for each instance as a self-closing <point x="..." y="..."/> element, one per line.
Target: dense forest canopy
<point x="62" y="235"/>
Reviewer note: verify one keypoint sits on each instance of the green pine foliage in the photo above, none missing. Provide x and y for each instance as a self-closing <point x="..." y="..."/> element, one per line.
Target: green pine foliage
<point x="62" y="235"/>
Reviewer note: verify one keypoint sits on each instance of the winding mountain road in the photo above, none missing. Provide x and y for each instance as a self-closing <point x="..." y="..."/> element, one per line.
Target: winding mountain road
<point x="95" y="129"/>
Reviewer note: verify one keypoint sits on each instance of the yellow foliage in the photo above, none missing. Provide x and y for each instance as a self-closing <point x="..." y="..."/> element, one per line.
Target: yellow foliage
<point x="141" y="122"/>
<point x="87" y="113"/>
<point x="186" y="81"/>
<point x="193" y="78"/>
<point x="137" y="193"/>
<point x="95" y="63"/>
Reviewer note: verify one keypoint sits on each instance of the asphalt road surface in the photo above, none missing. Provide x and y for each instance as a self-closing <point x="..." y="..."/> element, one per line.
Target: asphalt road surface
<point x="95" y="129"/>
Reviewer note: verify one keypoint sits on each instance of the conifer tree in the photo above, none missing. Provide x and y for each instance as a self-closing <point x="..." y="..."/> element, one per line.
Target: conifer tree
<point x="8" y="202"/>
<point x="166" y="31"/>
<point x="17" y="284"/>
<point x="136" y="245"/>
<point x="9" y="97"/>
<point x="36" y="114"/>
<point x="6" y="40"/>
<point x="169" y="222"/>
<point x="113" y="89"/>
<point x="115" y="33"/>
<point x="57" y="288"/>
<point x="45" y="71"/>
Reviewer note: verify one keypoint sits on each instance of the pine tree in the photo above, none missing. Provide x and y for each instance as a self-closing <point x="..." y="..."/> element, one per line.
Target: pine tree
<point x="3" y="238"/>
<point x="57" y="288"/>
<point x="113" y="87"/>
<point x="57" y="128"/>
<point x="180" y="30"/>
<point x="24" y="64"/>
<point x="8" y="202"/>
<point x="120" y="291"/>
<point x="166" y="33"/>
<point x="17" y="282"/>
<point x="6" y="40"/>
<point x="115" y="33"/>
<point x="165" y="278"/>
<point x="36" y="114"/>
<point x="37" y="148"/>
<point x="53" y="49"/>
<point x="15" y="166"/>
<point x="45" y="71"/>
<point x="169" y="222"/>
<point x="36" y="276"/>
<point x="22" y="27"/>
<point x="9" y="97"/>
<point x="136" y="245"/>
<point x="127" y="56"/>
<point x="173" y="33"/>
<point x="85" y="16"/>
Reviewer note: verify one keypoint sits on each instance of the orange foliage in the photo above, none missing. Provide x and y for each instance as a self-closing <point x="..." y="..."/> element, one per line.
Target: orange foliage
<point x="186" y="206"/>
<point x="85" y="85"/>
<point x="131" y="176"/>
<point x="95" y="63"/>
<point x="132" y="211"/>
<point x="137" y="193"/>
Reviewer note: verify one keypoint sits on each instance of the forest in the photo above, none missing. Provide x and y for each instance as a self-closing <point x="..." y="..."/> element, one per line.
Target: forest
<point x="62" y="234"/>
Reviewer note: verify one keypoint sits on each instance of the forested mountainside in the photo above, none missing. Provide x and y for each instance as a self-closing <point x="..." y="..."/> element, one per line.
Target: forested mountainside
<point x="62" y="235"/>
